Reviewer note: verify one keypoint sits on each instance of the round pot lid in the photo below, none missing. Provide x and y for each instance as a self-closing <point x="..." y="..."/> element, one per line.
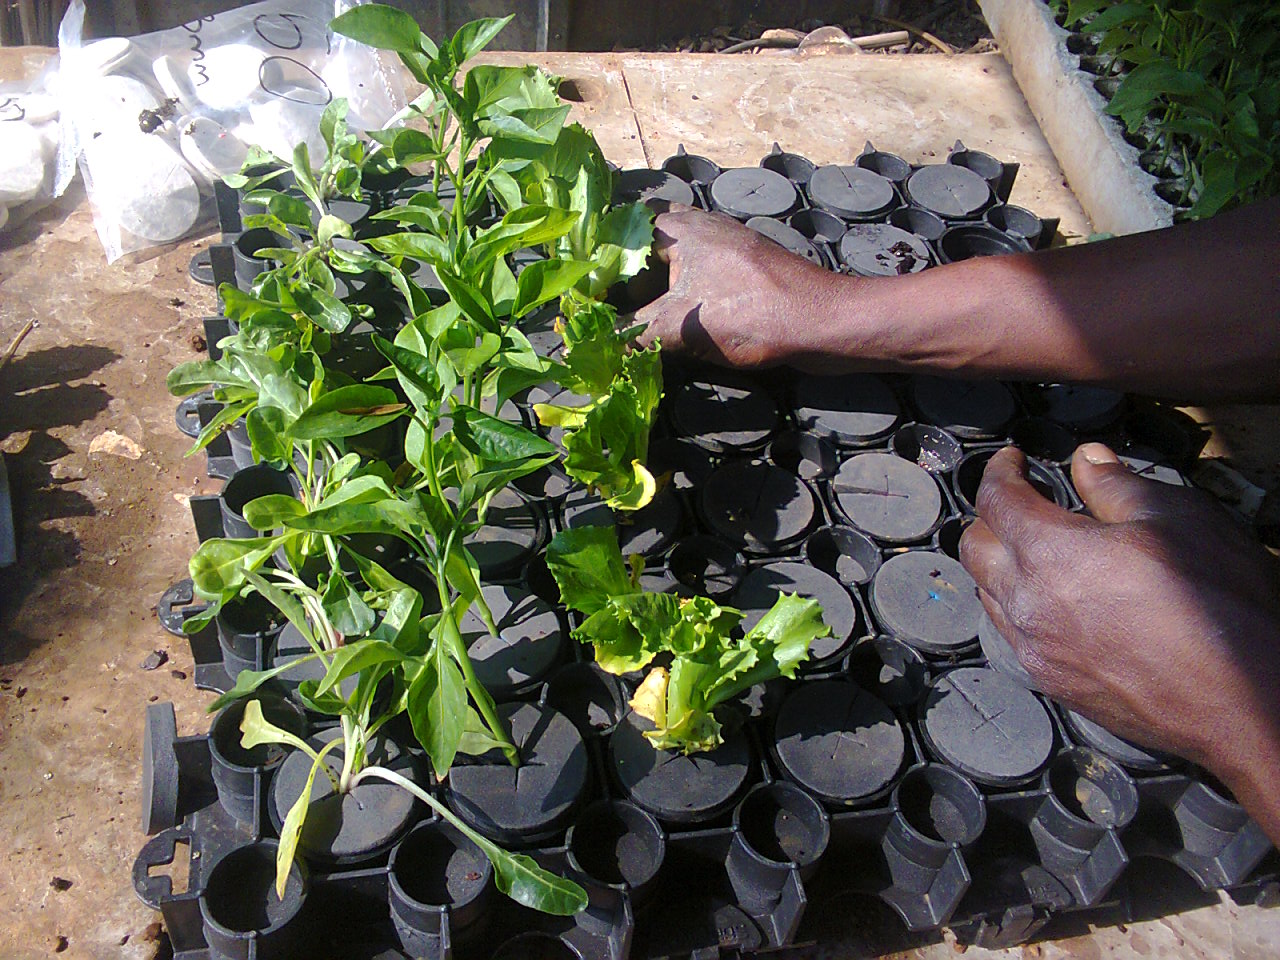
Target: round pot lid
<point x="753" y="192"/>
<point x="727" y="413"/>
<point x="528" y="644"/>
<point x="838" y="741"/>
<point x="787" y="237"/>
<point x="757" y="506"/>
<point x="1082" y="407"/>
<point x="511" y="534"/>
<point x="1000" y="654"/>
<point x="761" y="588"/>
<point x="227" y="77"/>
<point x="174" y="83"/>
<point x="640" y="185"/>
<point x="102" y="56"/>
<point x="852" y="410"/>
<point x="851" y="192"/>
<point x="281" y="123"/>
<point x="145" y="184"/>
<point x="648" y="531"/>
<point x="971" y="409"/>
<point x="887" y="497"/>
<point x="882" y="250"/>
<point x="112" y="105"/>
<point x="210" y="147"/>
<point x="22" y="170"/>
<point x="1124" y="752"/>
<point x="987" y="727"/>
<point x="34" y="108"/>
<point x="927" y="600"/>
<point x="948" y="190"/>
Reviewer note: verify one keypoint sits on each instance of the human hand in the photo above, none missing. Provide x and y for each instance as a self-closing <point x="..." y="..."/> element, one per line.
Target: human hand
<point x="1158" y="616"/>
<point x="734" y="297"/>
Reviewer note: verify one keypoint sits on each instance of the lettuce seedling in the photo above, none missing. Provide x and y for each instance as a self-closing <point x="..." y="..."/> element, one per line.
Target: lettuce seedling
<point x="709" y="665"/>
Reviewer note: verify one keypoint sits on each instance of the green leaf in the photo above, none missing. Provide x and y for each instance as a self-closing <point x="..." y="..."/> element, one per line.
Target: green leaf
<point x="304" y="175"/>
<point x="352" y="658"/>
<point x="545" y="280"/>
<point x="195" y="375"/>
<point x="532" y="125"/>
<point x="218" y="566"/>
<point x="416" y="373"/>
<point x="1147" y="83"/>
<point x="291" y="829"/>
<point x="330" y="227"/>
<point x="321" y="307"/>
<point x="381" y="26"/>
<point x="271" y="511"/>
<point x="248" y="681"/>
<point x="333" y="122"/>
<point x="587" y="565"/>
<point x="521" y="878"/>
<point x="420" y="246"/>
<point x="437" y="707"/>
<point x="473" y="37"/>
<point x="413" y="146"/>
<point x="287" y="604"/>
<point x="346" y="609"/>
<point x="290" y="210"/>
<point x="469" y="300"/>
<point x="624" y="238"/>
<point x="497" y="441"/>
<point x="347" y="412"/>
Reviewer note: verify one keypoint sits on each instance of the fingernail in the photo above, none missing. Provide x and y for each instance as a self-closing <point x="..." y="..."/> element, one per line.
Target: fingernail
<point x="1098" y="453"/>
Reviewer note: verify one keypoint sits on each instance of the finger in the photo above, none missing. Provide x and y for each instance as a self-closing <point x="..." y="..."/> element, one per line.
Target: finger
<point x="1114" y="493"/>
<point x="1013" y="509"/>
<point x="671" y="223"/>
<point x="992" y="566"/>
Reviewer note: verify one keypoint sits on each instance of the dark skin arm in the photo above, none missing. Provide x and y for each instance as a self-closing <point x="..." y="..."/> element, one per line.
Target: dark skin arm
<point x="1180" y="312"/>
<point x="1158" y="616"/>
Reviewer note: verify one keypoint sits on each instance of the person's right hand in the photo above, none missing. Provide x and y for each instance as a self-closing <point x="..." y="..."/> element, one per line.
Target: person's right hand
<point x="734" y="297"/>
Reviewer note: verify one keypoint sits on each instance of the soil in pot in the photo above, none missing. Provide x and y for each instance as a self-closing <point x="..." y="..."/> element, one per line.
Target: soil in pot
<point x="883" y="250"/>
<point x="929" y="601"/>
<point x="971" y="410"/>
<point x="523" y="805"/>
<point x="968" y="479"/>
<point x="671" y="786"/>
<point x="786" y="237"/>
<point x="757" y="507"/>
<point x="240" y="908"/>
<point x="691" y="168"/>
<point x="1128" y="754"/>
<point x="797" y="169"/>
<point x="354" y="827"/>
<point x="643" y="185"/>
<point x="594" y="700"/>
<point x="852" y="193"/>
<point x="917" y="220"/>
<point x="649" y="531"/>
<point x="724" y="413"/>
<point x="1081" y="407"/>
<point x="1043" y="439"/>
<point x="969" y="240"/>
<point x="887" y="498"/>
<point x="753" y="192"/>
<point x="513" y="531"/>
<point x="245" y="486"/>
<point x="616" y="843"/>
<point x="707" y="566"/>
<point x="818" y="225"/>
<point x="839" y="742"/>
<point x="529" y="644"/>
<point x="949" y="191"/>
<point x="760" y="590"/>
<point x="844" y="553"/>
<point x="927" y="446"/>
<point x="986" y="726"/>
<point x="852" y="410"/>
<point x="1001" y="656"/>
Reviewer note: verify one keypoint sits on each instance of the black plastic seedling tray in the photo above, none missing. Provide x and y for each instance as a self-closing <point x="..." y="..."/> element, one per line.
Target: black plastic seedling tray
<point x="911" y="764"/>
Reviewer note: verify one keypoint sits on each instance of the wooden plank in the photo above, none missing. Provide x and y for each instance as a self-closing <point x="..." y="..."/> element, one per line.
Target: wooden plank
<point x="733" y="108"/>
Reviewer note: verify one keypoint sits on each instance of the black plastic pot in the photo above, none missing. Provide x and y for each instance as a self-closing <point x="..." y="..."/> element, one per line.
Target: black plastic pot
<point x="1001" y="656"/>
<point x="707" y="566"/>
<point x="247" y="485"/>
<point x="617" y="844"/>
<point x="887" y="498"/>
<point x="242" y="916"/>
<point x="673" y="787"/>
<point x="949" y="191"/>
<point x="691" y="168"/>
<point x="1081" y="407"/>
<point x="595" y="701"/>
<point x="529" y="645"/>
<point x="968" y="478"/>
<point x="787" y="237"/>
<point x="844" y="553"/>
<point x="999" y="176"/>
<point x="643" y="185"/>
<point x="760" y="590"/>
<point x="986" y="726"/>
<point x="1021" y="223"/>
<point x="927" y="600"/>
<point x="969" y="240"/>
<point x="535" y="945"/>
<point x="929" y="447"/>
<point x="241" y="447"/>
<point x="917" y="220"/>
<point x="806" y="455"/>
<point x="852" y="193"/>
<point x="777" y="828"/>
<point x="236" y="769"/>
<point x="883" y="250"/>
<point x="513" y="531"/>
<point x="972" y="410"/>
<point x="759" y="508"/>
<point x="851" y="411"/>
<point x="892" y="670"/>
<point x="687" y="464"/>
<point x="1146" y="463"/>
<point x="439" y="884"/>
<point x="1129" y="755"/>
<point x="1043" y="439"/>
<point x="724" y="412"/>
<point x="282" y="181"/>
<point x="888" y="165"/>
<point x="354" y="354"/>
<point x="817" y="225"/>
<point x="794" y="167"/>
<point x="247" y="628"/>
<point x="753" y="192"/>
<point x="526" y="804"/>
<point x="358" y="826"/>
<point x="548" y="485"/>
<point x="949" y="534"/>
<point x="555" y="396"/>
<point x="839" y="742"/>
<point x="245" y="250"/>
<point x="649" y="531"/>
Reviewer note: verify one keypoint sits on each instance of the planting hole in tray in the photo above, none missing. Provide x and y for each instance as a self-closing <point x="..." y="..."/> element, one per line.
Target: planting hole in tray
<point x="927" y="446"/>
<point x="757" y="506"/>
<point x="1017" y="221"/>
<point x="883" y="250"/>
<point x="797" y="169"/>
<point x="512" y="532"/>
<point x="971" y="410"/>
<point x="970" y="240"/>
<point x="851" y="192"/>
<point x="534" y="945"/>
<point x="707" y="566"/>
<point x="892" y="670"/>
<point x="1081" y="407"/>
<point x="525" y="804"/>
<point x="1092" y="788"/>
<point x="594" y="700"/>
<point x="247" y="485"/>
<point x="239" y="895"/>
<point x="927" y="600"/>
<point x="616" y="843"/>
<point x="786" y="237"/>
<point x="671" y="786"/>
<point x="807" y="455"/>
<point x="762" y="586"/>
<point x="838" y="741"/>
<point x="968" y="479"/>
<point x="648" y="531"/>
<point x="529" y="642"/>
<point x="1043" y="439"/>
<point x="844" y="553"/>
<point x="888" y="498"/>
<point x="724" y="414"/>
<point x="888" y="165"/>
<point x="987" y="727"/>
<point x="435" y="865"/>
<point x="950" y="191"/>
<point x="753" y="192"/>
<point x="817" y="225"/>
<point x="940" y="805"/>
<point x="224" y="734"/>
<point x="691" y="168"/>
<point x="917" y="220"/>
<point x="850" y="410"/>
<point x="783" y="824"/>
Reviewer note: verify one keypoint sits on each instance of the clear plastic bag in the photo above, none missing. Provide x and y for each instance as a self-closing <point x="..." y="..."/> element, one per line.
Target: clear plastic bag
<point x="157" y="119"/>
<point x="34" y="167"/>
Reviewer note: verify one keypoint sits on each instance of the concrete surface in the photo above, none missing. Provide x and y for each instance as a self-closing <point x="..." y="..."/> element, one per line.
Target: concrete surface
<point x="100" y="490"/>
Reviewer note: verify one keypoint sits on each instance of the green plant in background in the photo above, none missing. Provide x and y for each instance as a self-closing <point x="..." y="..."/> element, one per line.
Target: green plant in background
<point x="1205" y="76"/>
<point x="709" y="666"/>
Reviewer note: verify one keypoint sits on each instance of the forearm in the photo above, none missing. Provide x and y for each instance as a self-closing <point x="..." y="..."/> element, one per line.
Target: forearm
<point x="1191" y="312"/>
